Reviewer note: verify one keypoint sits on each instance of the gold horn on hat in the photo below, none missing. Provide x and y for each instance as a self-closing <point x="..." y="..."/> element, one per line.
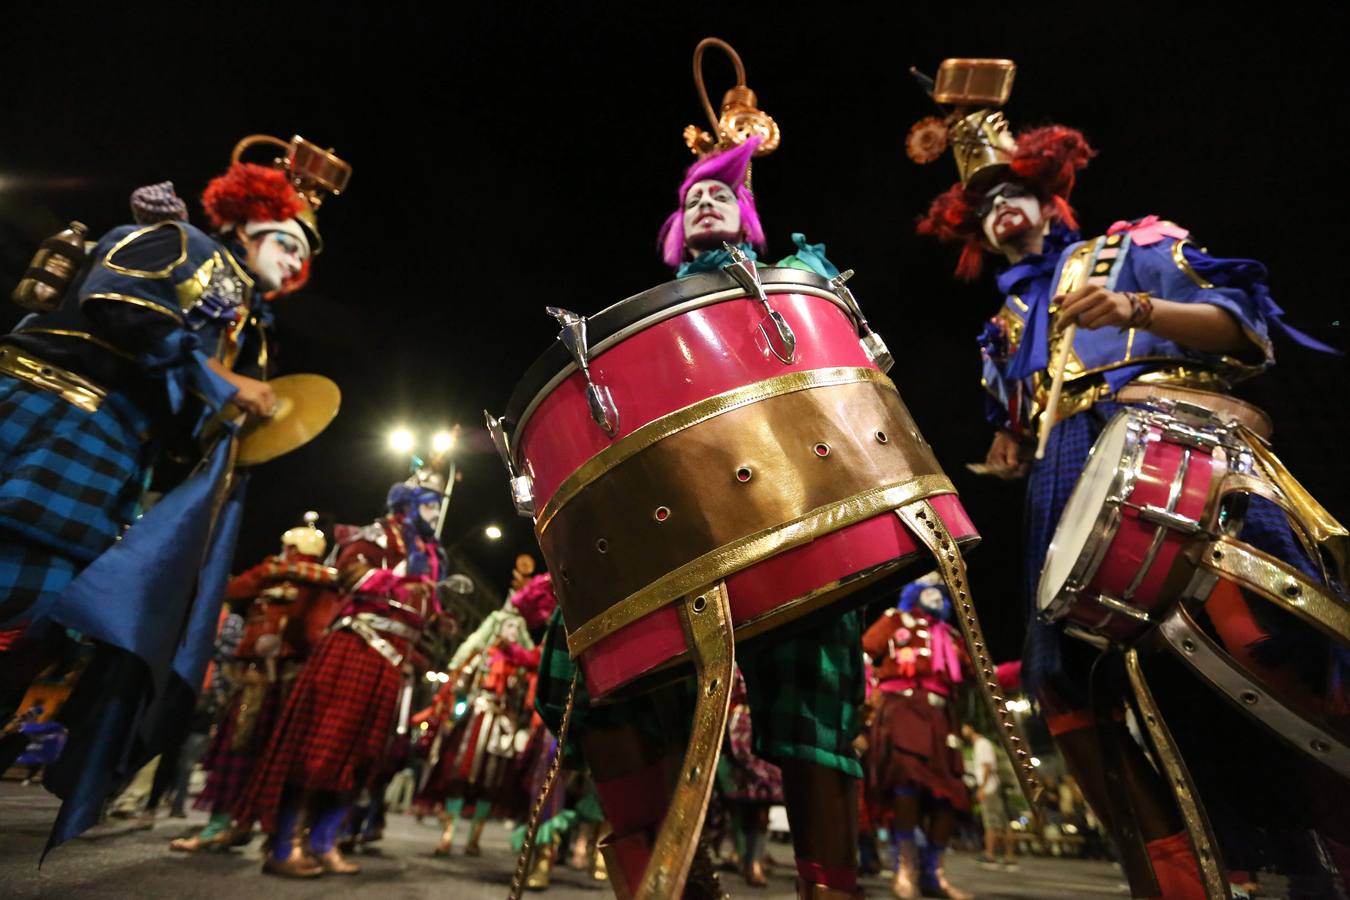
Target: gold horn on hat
<point x="975" y="130"/>
<point x="740" y="118"/>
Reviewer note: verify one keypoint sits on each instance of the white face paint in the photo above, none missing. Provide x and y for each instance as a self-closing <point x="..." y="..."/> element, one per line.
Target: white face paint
<point x="510" y="631"/>
<point x="429" y="511"/>
<point x="711" y="215"/>
<point x="275" y="257"/>
<point x="931" y="599"/>
<point x="1009" y="213"/>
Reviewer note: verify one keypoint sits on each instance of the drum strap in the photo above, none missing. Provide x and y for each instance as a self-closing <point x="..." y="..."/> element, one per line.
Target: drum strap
<point x="1104" y="691"/>
<point x="1189" y="643"/>
<point x="923" y="521"/>
<point x="1187" y="798"/>
<point x="707" y="624"/>
<point x="706" y="620"/>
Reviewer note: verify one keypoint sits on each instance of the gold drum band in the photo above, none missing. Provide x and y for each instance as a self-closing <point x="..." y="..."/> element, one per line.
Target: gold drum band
<point x="729" y="490"/>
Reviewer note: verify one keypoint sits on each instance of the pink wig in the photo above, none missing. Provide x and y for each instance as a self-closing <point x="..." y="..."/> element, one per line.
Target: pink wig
<point x="730" y="168"/>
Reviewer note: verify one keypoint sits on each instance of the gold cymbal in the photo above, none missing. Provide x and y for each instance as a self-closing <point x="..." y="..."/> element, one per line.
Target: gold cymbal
<point x="305" y="406"/>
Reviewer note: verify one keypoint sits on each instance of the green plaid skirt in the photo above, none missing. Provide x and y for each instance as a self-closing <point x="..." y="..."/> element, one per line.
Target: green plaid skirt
<point x="805" y="690"/>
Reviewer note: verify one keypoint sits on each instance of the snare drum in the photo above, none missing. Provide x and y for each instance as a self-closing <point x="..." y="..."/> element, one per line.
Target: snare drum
<point x="1150" y="492"/>
<point x="677" y="440"/>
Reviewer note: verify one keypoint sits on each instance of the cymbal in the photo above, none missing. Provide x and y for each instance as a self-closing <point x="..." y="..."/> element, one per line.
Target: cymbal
<point x="306" y="404"/>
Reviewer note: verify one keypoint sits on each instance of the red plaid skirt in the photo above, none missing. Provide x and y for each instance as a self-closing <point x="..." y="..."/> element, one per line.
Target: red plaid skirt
<point x="333" y="731"/>
<point x="228" y="767"/>
<point x="907" y="747"/>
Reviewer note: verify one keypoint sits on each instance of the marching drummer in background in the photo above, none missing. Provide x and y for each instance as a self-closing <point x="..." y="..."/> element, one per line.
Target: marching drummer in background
<point x="287" y="601"/>
<point x="334" y="732"/>
<point x="136" y="343"/>
<point x="490" y="675"/>
<point x="1144" y="312"/>
<point x="804" y="690"/>
<point x="914" y="756"/>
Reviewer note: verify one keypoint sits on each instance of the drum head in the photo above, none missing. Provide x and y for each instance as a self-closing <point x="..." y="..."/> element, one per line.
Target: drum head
<point x="1077" y="532"/>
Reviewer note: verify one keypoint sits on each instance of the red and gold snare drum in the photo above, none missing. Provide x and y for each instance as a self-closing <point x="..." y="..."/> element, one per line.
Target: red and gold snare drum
<point x="1149" y="498"/>
<point x="689" y="439"/>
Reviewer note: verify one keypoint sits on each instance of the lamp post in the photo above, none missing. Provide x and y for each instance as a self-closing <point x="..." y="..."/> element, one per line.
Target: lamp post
<point x="403" y="441"/>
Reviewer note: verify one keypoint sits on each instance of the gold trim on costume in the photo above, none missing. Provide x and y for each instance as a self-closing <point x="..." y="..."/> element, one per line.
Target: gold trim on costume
<point x="662" y="428"/>
<point x="142" y="273"/>
<point x="749" y="550"/>
<point x="191" y="289"/>
<point x="74" y="389"/>
<point x="136" y="301"/>
<point x="1179" y="257"/>
<point x="82" y="335"/>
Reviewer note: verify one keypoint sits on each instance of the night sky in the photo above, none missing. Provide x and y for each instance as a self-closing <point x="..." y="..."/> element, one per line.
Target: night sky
<point x="512" y="156"/>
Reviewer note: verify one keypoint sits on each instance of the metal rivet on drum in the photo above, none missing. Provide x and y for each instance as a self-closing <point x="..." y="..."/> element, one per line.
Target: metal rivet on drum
<point x="662" y="513"/>
<point x="881" y="437"/>
<point x="712" y="686"/>
<point x="1291" y="588"/>
<point x="1321" y="746"/>
<point x="1188" y="645"/>
<point x="1152" y="720"/>
<point x="602" y="545"/>
<point x="694" y="773"/>
<point x="46" y="370"/>
<point x="1251" y="698"/>
<point x="822" y="449"/>
<point x="1217" y="555"/>
<point x="700" y="603"/>
<point x="743" y="474"/>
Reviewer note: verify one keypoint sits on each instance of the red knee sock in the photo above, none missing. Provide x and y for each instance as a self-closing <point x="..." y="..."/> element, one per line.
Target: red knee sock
<point x="841" y="879"/>
<point x="1175" y="866"/>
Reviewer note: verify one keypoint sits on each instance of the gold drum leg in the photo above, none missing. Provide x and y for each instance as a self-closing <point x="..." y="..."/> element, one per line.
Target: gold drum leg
<point x="706" y="619"/>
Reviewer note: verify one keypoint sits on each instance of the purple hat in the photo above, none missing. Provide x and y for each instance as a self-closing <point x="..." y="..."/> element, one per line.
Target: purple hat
<point x="731" y="168"/>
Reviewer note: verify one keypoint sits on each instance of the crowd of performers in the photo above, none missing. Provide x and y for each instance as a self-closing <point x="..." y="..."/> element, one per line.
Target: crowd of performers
<point x="849" y="722"/>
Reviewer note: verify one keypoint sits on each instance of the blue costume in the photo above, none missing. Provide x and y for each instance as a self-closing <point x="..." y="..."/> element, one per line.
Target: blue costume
<point x="1015" y="351"/>
<point x="93" y="395"/>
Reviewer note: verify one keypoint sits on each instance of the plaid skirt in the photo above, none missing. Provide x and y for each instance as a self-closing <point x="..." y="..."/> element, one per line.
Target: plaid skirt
<point x="804" y="690"/>
<point x="69" y="481"/>
<point x="228" y="766"/>
<point x="333" y="730"/>
<point x="908" y="747"/>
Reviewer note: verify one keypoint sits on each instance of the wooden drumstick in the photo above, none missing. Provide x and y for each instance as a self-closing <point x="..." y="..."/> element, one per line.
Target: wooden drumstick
<point x="1060" y="363"/>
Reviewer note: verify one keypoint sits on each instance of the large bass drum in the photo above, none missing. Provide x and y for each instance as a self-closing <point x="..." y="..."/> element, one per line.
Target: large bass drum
<point x="694" y="447"/>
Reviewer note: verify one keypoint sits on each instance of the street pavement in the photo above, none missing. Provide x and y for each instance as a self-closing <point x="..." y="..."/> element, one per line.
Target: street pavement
<point x="126" y="862"/>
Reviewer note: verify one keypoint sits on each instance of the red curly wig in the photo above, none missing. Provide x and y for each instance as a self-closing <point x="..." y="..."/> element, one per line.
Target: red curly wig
<point x="250" y="193"/>
<point x="1047" y="160"/>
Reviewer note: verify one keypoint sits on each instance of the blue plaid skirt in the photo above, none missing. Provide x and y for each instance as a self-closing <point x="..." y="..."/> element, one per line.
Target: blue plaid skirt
<point x="69" y="481"/>
<point x="1058" y="666"/>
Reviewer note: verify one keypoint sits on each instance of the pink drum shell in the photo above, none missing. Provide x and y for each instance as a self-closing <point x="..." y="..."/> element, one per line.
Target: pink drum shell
<point x="672" y="364"/>
<point x="654" y="640"/>
<point x="1128" y="549"/>
<point x="667" y="366"/>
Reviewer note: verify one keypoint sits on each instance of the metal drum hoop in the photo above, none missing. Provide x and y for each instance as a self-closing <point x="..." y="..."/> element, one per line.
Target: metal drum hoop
<point x="1108" y="519"/>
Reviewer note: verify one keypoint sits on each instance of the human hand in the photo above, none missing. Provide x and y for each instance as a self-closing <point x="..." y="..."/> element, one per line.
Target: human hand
<point x="1094" y="307"/>
<point x="254" y="396"/>
<point x="1005" y="457"/>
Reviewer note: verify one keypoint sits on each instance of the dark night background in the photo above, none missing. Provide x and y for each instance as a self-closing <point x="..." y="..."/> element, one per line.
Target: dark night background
<point x="509" y="156"/>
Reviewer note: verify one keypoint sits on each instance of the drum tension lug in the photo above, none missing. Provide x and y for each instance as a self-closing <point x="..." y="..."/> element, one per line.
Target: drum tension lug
<point x="782" y="340"/>
<point x="871" y="342"/>
<point x="522" y="485"/>
<point x="603" y="410"/>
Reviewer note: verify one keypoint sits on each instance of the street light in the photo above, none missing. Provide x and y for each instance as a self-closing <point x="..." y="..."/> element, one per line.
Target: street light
<point x="401" y="440"/>
<point x="493" y="533"/>
<point x="443" y="441"/>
